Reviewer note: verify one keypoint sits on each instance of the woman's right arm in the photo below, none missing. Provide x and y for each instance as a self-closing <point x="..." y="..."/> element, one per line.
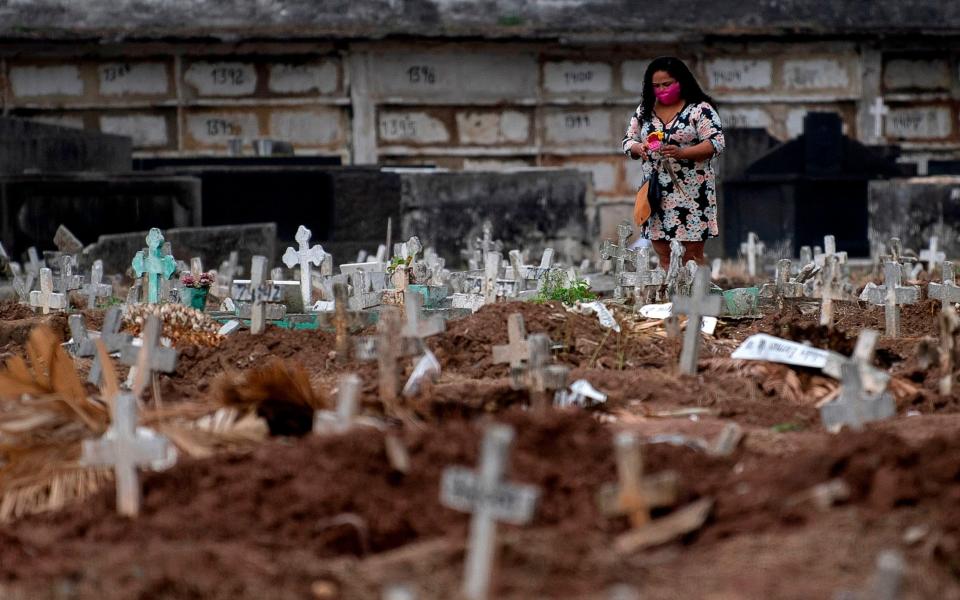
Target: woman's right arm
<point x="632" y="144"/>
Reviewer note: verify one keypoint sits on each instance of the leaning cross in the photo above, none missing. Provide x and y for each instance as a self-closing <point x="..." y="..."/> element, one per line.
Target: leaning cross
<point x="261" y="294"/>
<point x="150" y="358"/>
<point x="695" y="306"/>
<point x="947" y="292"/>
<point x="855" y="406"/>
<point x="490" y="499"/>
<point x="305" y="255"/>
<point x="67" y="281"/>
<point x="126" y="447"/>
<point x="620" y="252"/>
<point x="518" y="349"/>
<point x="46" y="298"/>
<point x="95" y="289"/>
<point x="152" y="262"/>
<point x="33" y="267"/>
<point x="635" y="495"/>
<point x="113" y="340"/>
<point x="932" y="256"/>
<point x="782" y="287"/>
<point x="829" y="289"/>
<point x="644" y="280"/>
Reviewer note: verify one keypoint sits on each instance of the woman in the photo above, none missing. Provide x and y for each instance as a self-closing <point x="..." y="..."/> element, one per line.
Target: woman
<point x="683" y="187"/>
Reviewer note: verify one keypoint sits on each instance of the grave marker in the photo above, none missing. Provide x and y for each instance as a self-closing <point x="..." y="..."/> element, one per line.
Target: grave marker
<point x="676" y="275"/>
<point x="153" y="263"/>
<point x="33" y="266"/>
<point x="949" y="328"/>
<point x="342" y="338"/>
<point x="855" y="407"/>
<point x="46" y="298"/>
<point x="94" y="288"/>
<point x="66" y="242"/>
<point x="150" y="358"/>
<point x="695" y="306"/>
<point x="782" y="287"/>
<point x="540" y="377"/>
<point x="830" y="249"/>
<point x="829" y="289"/>
<point x="635" y="495"/>
<point x="261" y="295"/>
<point x="806" y="255"/>
<point x="348" y="393"/>
<point x="621" y="253"/>
<point x="415" y="328"/>
<point x="891" y="295"/>
<point x="362" y="297"/>
<point x="125" y="447"/>
<point x="644" y="280"/>
<point x="490" y="499"/>
<point x="305" y="256"/>
<point x="752" y="249"/>
<point x="113" y="341"/>
<point x="517" y="349"/>
<point x="387" y="348"/>
<point x="932" y="256"/>
<point x="947" y="292"/>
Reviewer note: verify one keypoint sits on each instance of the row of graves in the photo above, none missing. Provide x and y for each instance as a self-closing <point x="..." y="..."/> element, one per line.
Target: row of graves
<point x="392" y="428"/>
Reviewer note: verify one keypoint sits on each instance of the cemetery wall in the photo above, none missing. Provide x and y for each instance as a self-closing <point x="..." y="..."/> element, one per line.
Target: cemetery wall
<point x="915" y="209"/>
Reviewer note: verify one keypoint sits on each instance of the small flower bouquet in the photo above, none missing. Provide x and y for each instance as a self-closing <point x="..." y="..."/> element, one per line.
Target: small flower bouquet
<point x="203" y="281"/>
<point x="655" y="140"/>
<point x="194" y="289"/>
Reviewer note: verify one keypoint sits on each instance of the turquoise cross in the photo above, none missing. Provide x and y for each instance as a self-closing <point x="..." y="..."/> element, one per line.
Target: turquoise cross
<point x="152" y="262"/>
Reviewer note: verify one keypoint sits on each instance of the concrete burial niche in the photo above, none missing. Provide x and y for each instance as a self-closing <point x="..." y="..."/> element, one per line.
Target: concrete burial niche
<point x="915" y="209"/>
<point x="33" y="206"/>
<point x="527" y="208"/>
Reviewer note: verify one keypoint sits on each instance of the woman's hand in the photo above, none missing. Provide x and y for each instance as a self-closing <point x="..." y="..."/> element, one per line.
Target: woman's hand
<point x="638" y="150"/>
<point x="671" y="151"/>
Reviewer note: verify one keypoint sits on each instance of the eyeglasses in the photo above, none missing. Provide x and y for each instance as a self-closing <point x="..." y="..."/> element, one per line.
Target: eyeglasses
<point x="662" y="86"/>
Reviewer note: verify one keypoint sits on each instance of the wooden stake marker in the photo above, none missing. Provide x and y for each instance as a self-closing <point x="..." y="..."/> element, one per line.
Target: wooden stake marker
<point x="484" y="494"/>
<point x="126" y="447"/>
<point x="635" y="495"/>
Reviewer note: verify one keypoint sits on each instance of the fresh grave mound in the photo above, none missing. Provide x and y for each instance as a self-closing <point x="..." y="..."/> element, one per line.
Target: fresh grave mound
<point x="11" y="310"/>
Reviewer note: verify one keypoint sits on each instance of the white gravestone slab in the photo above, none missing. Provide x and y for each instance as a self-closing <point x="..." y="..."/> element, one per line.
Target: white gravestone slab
<point x="133" y="79"/>
<point x="739" y="74"/>
<point x="221" y="78"/>
<point x="313" y="127"/>
<point x="216" y="127"/>
<point x="319" y="78"/>
<point x="925" y="74"/>
<point x="566" y="126"/>
<point x="932" y="122"/>
<point x="571" y="76"/>
<point x="815" y="74"/>
<point x="454" y="75"/>
<point x="486" y="128"/>
<point x="146" y="131"/>
<point x="631" y="75"/>
<point x="53" y="80"/>
<point x="412" y="127"/>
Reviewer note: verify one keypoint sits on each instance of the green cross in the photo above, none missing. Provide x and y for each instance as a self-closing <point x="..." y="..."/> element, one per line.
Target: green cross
<point x="154" y="263"/>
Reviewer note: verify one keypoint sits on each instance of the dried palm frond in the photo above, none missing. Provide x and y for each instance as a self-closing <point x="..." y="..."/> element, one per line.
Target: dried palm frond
<point x="182" y="324"/>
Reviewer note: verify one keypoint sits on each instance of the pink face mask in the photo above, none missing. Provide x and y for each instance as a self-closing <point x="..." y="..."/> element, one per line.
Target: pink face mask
<point x="668" y="95"/>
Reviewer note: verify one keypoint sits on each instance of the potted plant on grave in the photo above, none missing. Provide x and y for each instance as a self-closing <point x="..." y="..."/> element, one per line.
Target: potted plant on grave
<point x="195" y="288"/>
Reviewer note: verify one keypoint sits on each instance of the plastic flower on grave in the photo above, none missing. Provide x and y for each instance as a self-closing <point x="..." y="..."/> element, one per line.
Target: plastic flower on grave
<point x="188" y="280"/>
<point x="655" y="140"/>
<point x="206" y="280"/>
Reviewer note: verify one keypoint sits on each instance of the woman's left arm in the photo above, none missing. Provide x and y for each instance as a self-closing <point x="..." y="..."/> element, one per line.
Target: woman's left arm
<point x="710" y="134"/>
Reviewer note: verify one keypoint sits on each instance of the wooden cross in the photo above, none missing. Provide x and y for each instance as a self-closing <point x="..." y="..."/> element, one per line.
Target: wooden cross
<point x="635" y="495"/>
<point x="621" y="253"/>
<point x="341" y="333"/>
<point x="855" y="407"/>
<point x="46" y="298"/>
<point x="752" y="249"/>
<point x="675" y="272"/>
<point x="517" y="350"/>
<point x="696" y="306"/>
<point x="829" y="289"/>
<point x="949" y="329"/>
<point x="304" y="255"/>
<point x="643" y="280"/>
<point x="33" y="266"/>
<point x="932" y="256"/>
<point x="149" y="358"/>
<point x="387" y="349"/>
<point x="261" y="295"/>
<point x="153" y="263"/>
<point x="415" y="328"/>
<point x="126" y="447"/>
<point x="95" y="289"/>
<point x="540" y="377"/>
<point x="489" y="498"/>
<point x="806" y="255"/>
<point x="67" y="281"/>
<point x="879" y="110"/>
<point x="113" y="341"/>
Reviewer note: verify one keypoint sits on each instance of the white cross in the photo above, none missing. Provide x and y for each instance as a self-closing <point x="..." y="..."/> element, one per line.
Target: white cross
<point x="695" y="306"/>
<point x="150" y="357"/>
<point x="517" y="349"/>
<point x="112" y="338"/>
<point x="947" y="292"/>
<point x="67" y="281"/>
<point x="855" y="407"/>
<point x="891" y="295"/>
<point x="305" y="256"/>
<point x="415" y="328"/>
<point x="621" y="253"/>
<point x="125" y="447"/>
<point x="46" y="298"/>
<point x="490" y="499"/>
<point x="258" y="288"/>
<point x="879" y="110"/>
<point x="752" y="248"/>
<point x="348" y="392"/>
<point x="932" y="256"/>
<point x="95" y="289"/>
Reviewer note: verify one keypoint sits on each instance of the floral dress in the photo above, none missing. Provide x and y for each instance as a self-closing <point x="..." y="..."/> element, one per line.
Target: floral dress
<point x="688" y="203"/>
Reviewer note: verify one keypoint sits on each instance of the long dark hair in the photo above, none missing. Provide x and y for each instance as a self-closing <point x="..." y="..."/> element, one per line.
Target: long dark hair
<point x="689" y="87"/>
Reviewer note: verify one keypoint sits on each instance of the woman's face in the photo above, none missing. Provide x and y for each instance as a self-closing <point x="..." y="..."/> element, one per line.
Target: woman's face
<point x="666" y="88"/>
<point x="662" y="80"/>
